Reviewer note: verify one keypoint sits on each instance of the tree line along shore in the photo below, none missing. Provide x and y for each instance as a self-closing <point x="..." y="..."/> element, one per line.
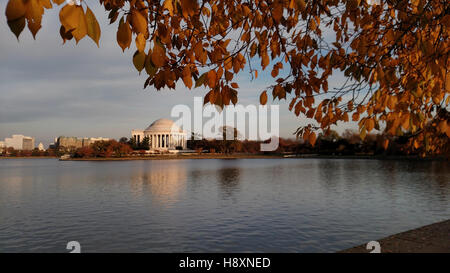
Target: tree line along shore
<point x="347" y="145"/>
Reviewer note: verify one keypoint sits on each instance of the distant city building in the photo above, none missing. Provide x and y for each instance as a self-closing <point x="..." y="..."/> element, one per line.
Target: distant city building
<point x="19" y="142"/>
<point x="2" y="146"/>
<point x="71" y="143"/>
<point x="163" y="134"/>
<point x="41" y="147"/>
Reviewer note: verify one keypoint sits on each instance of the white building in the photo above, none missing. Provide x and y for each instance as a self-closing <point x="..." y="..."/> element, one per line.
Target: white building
<point x="20" y="142"/>
<point x="163" y="134"/>
<point x="41" y="147"/>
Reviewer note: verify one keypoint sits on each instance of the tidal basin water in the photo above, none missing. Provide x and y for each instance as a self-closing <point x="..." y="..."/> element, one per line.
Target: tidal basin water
<point x="213" y="205"/>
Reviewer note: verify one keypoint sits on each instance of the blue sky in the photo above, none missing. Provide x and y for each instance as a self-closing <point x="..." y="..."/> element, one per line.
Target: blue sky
<point x="48" y="89"/>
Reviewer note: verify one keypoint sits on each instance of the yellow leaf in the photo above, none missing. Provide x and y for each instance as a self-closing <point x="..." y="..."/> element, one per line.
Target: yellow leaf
<point x="140" y="42"/>
<point x="363" y="133"/>
<point x="93" y="28"/>
<point x="33" y="13"/>
<point x="149" y="67"/>
<point x="169" y="6"/>
<point x="370" y="124"/>
<point x="15" y="9"/>
<point x="139" y="60"/>
<point x="138" y="22"/>
<point x="81" y="29"/>
<point x="263" y="98"/>
<point x="201" y="80"/>
<point x="73" y="17"/>
<point x="124" y="35"/>
<point x="68" y="16"/>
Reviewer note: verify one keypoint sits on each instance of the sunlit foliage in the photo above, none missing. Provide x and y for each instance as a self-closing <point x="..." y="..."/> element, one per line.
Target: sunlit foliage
<point x="394" y="54"/>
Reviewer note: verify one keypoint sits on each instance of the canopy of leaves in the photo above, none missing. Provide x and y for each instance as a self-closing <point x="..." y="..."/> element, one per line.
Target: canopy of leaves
<point x="394" y="54"/>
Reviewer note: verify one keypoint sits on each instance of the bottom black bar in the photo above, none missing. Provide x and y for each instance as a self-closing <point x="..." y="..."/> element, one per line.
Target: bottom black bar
<point x="239" y="262"/>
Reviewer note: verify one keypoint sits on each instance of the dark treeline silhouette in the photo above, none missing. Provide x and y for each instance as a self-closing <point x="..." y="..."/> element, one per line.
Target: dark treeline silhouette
<point x="349" y="143"/>
<point x="332" y="144"/>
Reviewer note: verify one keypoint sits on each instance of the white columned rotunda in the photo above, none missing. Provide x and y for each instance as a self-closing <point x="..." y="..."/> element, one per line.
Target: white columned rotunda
<point x="163" y="134"/>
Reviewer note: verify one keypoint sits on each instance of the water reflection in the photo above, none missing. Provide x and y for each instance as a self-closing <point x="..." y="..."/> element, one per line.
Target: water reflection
<point x="254" y="205"/>
<point x="228" y="179"/>
<point x="162" y="182"/>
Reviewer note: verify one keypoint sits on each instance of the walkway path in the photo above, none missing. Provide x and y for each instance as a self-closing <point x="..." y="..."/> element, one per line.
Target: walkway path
<point x="431" y="238"/>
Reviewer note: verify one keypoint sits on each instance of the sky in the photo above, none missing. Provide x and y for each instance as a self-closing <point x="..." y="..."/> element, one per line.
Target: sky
<point x="48" y="89"/>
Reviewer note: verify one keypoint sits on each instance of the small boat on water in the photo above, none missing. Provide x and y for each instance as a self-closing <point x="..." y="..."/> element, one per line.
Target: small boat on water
<point x="65" y="157"/>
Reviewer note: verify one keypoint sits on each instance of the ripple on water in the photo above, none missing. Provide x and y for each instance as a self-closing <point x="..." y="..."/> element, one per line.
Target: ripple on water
<point x="248" y="205"/>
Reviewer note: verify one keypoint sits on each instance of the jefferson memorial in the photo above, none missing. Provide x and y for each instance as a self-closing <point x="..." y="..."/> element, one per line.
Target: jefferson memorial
<point x="163" y="134"/>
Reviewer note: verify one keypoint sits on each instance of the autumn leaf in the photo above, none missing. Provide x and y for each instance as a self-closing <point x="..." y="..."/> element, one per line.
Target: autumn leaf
<point x="17" y="26"/>
<point x="263" y="98"/>
<point x="168" y="6"/>
<point x="201" y="80"/>
<point x="93" y="28"/>
<point x="400" y="66"/>
<point x="187" y="77"/>
<point x="140" y="42"/>
<point x="312" y="138"/>
<point x="15" y="9"/>
<point x="385" y="144"/>
<point x="124" y="35"/>
<point x="139" y="22"/>
<point x="139" y="60"/>
<point x="158" y="56"/>
<point x="212" y="78"/>
<point x="73" y="17"/>
<point x="188" y="7"/>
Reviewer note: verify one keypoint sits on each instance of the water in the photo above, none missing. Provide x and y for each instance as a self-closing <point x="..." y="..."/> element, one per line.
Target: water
<point x="209" y="205"/>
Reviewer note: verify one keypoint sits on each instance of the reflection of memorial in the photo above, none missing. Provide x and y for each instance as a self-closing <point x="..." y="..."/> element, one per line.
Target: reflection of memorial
<point x="164" y="180"/>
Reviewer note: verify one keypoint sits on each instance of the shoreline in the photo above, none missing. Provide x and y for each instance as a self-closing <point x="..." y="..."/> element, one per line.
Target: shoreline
<point x="431" y="238"/>
<point x="234" y="156"/>
<point x="172" y="157"/>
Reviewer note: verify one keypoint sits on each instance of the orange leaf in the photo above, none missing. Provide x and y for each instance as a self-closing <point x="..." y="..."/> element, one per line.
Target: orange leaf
<point x="263" y="98"/>
<point x="15" y="9"/>
<point x="212" y="78"/>
<point x="139" y="22"/>
<point x="140" y="42"/>
<point x="169" y="6"/>
<point x="385" y="143"/>
<point x="93" y="28"/>
<point x="312" y="138"/>
<point x="158" y="56"/>
<point x="123" y="35"/>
